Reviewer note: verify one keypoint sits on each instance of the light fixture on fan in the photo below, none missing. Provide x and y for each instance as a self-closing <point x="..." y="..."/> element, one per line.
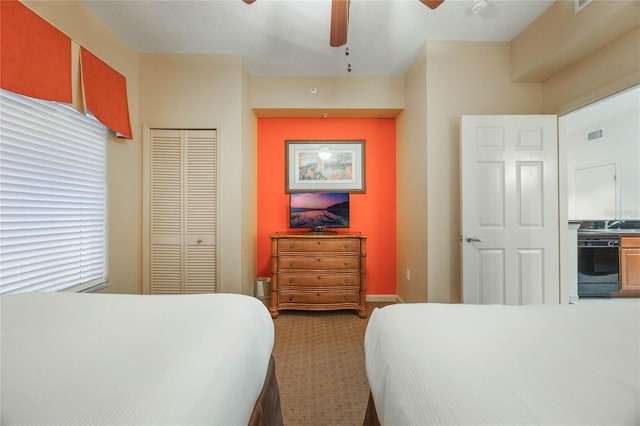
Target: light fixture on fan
<point x="324" y="153"/>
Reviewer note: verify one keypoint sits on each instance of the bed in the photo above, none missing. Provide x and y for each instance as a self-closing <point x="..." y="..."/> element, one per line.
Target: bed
<point x="438" y="364"/>
<point x="90" y="359"/>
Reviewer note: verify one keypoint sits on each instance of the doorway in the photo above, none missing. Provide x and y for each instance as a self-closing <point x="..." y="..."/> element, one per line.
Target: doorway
<point x="591" y="140"/>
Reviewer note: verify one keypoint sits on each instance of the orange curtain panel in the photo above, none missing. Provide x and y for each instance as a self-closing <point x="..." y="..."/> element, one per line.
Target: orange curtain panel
<point x="105" y="94"/>
<point x="35" y="57"/>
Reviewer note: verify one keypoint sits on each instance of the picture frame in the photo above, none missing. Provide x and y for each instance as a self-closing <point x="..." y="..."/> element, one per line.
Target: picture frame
<point x="325" y="166"/>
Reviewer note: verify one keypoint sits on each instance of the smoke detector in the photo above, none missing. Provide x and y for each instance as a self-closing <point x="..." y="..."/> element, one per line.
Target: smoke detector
<point x="478" y="6"/>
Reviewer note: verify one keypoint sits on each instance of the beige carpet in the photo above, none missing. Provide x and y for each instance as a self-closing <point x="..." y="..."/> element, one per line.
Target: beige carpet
<point x="320" y="367"/>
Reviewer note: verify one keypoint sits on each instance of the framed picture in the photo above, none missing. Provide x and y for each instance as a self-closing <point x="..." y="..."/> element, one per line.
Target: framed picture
<point x="324" y="166"/>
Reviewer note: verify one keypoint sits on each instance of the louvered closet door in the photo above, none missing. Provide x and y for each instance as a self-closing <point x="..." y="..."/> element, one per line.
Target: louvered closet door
<point x="182" y="211"/>
<point x="200" y="201"/>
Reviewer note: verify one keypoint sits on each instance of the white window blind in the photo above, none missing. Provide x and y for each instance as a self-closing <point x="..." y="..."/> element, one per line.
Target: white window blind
<point x="52" y="197"/>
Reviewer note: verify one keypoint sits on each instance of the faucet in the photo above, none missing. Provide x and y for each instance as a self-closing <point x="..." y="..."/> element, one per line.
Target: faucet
<point x="609" y="225"/>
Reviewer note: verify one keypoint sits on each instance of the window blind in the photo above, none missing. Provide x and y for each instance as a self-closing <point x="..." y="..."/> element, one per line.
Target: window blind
<point x="52" y="197"/>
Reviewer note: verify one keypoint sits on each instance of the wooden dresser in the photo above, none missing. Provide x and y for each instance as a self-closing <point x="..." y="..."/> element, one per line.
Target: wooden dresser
<point x="318" y="272"/>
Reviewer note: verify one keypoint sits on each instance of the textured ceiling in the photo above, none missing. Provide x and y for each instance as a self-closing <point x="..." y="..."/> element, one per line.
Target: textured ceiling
<point x="291" y="37"/>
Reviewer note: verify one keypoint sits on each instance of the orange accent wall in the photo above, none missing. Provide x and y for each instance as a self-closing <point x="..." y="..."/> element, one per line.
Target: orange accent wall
<point x="372" y="213"/>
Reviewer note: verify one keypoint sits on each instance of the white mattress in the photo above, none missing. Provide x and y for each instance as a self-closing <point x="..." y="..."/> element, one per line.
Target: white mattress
<point x="91" y="359"/>
<point x="436" y="364"/>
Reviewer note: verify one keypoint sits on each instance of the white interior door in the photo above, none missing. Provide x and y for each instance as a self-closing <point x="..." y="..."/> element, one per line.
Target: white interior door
<point x="509" y="179"/>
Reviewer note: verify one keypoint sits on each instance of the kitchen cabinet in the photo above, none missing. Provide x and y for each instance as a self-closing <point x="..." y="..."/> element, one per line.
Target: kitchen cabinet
<point x="630" y="263"/>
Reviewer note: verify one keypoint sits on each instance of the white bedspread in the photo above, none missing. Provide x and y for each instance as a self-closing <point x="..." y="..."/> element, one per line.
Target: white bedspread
<point x="90" y="359"/>
<point x="436" y="364"/>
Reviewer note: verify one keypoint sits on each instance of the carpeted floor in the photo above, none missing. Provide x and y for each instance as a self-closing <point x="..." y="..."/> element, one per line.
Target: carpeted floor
<point x="320" y="367"/>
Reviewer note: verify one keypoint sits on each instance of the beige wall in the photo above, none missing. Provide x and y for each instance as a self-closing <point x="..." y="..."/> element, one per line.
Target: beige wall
<point x="583" y="57"/>
<point x="249" y="154"/>
<point x="362" y="96"/>
<point x="560" y="37"/>
<point x="411" y="181"/>
<point x="462" y="79"/>
<point x="209" y="91"/>
<point x="613" y="68"/>
<point x="124" y="157"/>
<point x="446" y="80"/>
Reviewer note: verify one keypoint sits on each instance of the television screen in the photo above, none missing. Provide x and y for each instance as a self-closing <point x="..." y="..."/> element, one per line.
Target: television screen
<point x="319" y="210"/>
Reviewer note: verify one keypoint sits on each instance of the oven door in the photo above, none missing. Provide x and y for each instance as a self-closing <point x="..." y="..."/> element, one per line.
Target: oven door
<point x="598" y="267"/>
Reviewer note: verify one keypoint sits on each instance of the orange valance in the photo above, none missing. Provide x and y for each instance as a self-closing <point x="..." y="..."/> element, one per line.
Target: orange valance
<point x="35" y="57"/>
<point x="105" y="94"/>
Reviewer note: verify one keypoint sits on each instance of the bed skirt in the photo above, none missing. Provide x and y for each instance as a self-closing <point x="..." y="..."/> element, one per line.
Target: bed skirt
<point x="371" y="417"/>
<point x="267" y="411"/>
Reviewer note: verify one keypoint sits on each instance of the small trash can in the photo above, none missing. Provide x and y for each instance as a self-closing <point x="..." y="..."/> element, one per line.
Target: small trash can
<point x="262" y="290"/>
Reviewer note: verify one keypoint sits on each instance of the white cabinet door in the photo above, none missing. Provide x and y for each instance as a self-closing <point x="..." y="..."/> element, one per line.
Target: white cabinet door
<point x="595" y="192"/>
<point x="509" y="179"/>
<point x="181" y="212"/>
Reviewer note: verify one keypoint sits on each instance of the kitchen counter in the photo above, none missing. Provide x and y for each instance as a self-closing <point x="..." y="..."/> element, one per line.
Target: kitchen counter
<point x="620" y="232"/>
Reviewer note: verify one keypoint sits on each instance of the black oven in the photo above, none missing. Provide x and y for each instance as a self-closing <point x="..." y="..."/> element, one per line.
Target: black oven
<point x="598" y="265"/>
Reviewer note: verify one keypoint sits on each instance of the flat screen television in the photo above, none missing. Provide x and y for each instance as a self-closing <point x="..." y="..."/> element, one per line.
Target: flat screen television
<point x="319" y="210"/>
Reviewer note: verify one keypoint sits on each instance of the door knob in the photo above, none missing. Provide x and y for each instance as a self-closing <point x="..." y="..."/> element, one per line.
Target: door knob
<point x="471" y="239"/>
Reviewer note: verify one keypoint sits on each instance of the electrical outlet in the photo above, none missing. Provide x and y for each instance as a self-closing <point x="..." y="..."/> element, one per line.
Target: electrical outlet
<point x="407" y="274"/>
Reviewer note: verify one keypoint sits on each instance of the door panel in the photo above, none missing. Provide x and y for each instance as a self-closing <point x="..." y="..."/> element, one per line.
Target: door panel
<point x="530" y="268"/>
<point x="509" y="203"/>
<point x="492" y="268"/>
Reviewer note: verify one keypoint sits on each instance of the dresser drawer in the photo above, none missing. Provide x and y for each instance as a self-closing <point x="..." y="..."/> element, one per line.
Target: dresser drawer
<point x="319" y="280"/>
<point x="317" y="297"/>
<point x="319" y="262"/>
<point x="342" y="245"/>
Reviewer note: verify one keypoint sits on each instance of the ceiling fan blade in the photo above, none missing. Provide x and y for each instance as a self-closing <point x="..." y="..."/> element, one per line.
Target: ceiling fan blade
<point x="432" y="4"/>
<point x="339" y="22"/>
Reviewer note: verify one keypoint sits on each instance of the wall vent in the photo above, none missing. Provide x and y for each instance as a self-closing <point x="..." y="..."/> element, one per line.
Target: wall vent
<point x="581" y="4"/>
<point x="595" y="135"/>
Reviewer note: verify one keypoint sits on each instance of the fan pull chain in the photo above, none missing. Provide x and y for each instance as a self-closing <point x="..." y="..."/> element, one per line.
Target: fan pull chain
<point x="346" y="52"/>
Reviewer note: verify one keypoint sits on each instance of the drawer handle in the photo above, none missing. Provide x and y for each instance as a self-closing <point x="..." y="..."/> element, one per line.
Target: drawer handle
<point x="318" y="260"/>
<point x="345" y="298"/>
<point x="290" y="280"/>
<point x="318" y="277"/>
<point x="319" y="242"/>
<point x="290" y="298"/>
<point x="318" y="294"/>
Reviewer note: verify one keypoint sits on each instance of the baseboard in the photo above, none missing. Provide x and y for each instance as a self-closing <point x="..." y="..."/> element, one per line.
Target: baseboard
<point x="382" y="298"/>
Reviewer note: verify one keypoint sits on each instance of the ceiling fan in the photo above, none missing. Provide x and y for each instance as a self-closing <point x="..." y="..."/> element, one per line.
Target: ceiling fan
<point x="340" y="19"/>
